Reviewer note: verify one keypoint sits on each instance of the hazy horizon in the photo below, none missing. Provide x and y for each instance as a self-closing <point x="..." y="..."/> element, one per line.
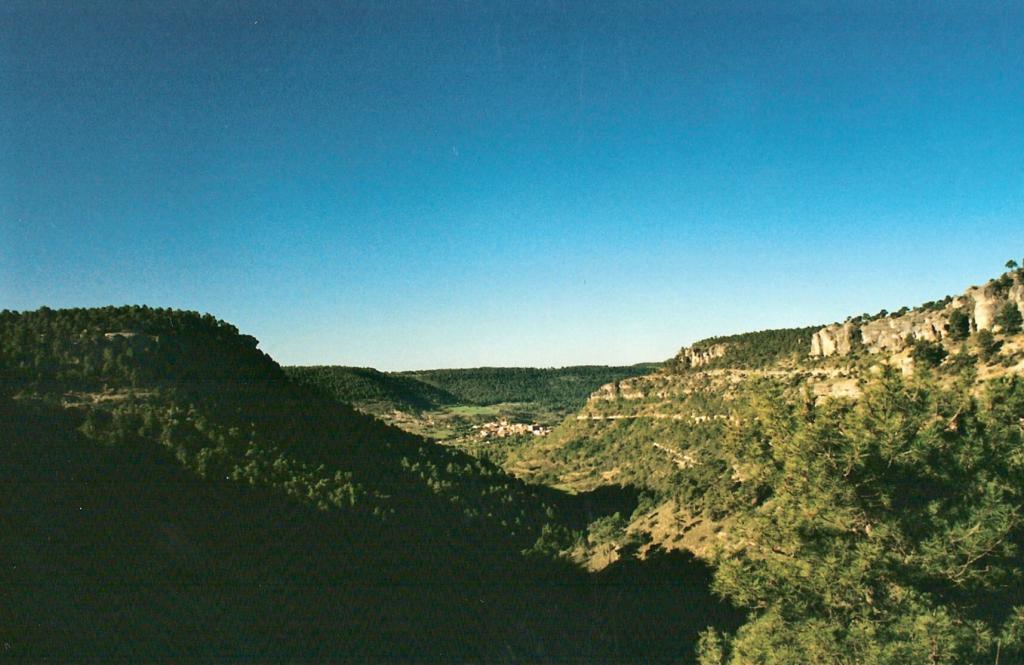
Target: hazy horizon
<point x="404" y="186"/>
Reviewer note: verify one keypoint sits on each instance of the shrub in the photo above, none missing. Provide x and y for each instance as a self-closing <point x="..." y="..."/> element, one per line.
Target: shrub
<point x="927" y="353"/>
<point x="959" y="325"/>
<point x="1009" y="318"/>
<point x="606" y="529"/>
<point x="987" y="345"/>
<point x="1002" y="284"/>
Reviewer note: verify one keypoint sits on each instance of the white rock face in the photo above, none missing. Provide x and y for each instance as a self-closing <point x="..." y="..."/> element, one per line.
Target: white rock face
<point x="628" y="389"/>
<point x="893" y="334"/>
<point x="609" y="392"/>
<point x="986" y="306"/>
<point x="886" y="334"/>
<point x="833" y="340"/>
<point x="691" y="357"/>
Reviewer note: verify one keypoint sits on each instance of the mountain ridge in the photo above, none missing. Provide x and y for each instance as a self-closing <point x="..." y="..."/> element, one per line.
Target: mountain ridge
<point x="844" y="497"/>
<point x="695" y="387"/>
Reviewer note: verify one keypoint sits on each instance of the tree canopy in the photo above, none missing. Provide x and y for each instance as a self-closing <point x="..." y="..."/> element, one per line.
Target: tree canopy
<point x="882" y="531"/>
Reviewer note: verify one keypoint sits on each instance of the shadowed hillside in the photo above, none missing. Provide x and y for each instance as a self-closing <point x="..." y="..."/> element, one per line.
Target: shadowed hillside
<point x="371" y="390"/>
<point x="168" y="494"/>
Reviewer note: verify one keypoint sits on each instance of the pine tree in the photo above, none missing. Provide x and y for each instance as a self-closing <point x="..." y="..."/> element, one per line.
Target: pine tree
<point x="886" y="531"/>
<point x="1009" y="317"/>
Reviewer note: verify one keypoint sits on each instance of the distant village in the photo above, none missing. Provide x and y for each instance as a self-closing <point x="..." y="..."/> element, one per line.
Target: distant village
<point x="501" y="428"/>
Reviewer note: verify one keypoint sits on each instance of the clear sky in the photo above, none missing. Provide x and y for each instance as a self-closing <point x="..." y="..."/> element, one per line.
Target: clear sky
<point x="448" y="184"/>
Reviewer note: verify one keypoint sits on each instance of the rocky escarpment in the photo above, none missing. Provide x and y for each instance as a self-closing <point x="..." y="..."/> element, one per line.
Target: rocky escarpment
<point x="616" y="390"/>
<point x="835" y="340"/>
<point x="663" y="431"/>
<point x="978" y="308"/>
<point x="698" y="356"/>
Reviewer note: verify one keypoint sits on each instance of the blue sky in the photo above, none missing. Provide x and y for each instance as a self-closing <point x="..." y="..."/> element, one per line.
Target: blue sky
<point x="451" y="184"/>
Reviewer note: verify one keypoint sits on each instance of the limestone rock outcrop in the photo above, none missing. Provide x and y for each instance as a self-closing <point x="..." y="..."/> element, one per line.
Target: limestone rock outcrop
<point x="697" y="357"/>
<point x="894" y="334"/>
<point x="891" y="334"/>
<point x="986" y="305"/>
<point x="832" y="340"/>
<point x="627" y="389"/>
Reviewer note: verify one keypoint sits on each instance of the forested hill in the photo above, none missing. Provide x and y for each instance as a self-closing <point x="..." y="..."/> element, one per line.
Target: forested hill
<point x="556" y="388"/>
<point x="371" y="389"/>
<point x="196" y="387"/>
<point x="746" y="350"/>
<point x="859" y="487"/>
<point x="124" y="347"/>
<point x="167" y="493"/>
<point x="561" y="390"/>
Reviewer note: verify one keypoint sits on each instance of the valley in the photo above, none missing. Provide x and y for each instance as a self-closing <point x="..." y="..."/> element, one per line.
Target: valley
<point x="543" y="332"/>
<point x="763" y="497"/>
<point x="487" y="411"/>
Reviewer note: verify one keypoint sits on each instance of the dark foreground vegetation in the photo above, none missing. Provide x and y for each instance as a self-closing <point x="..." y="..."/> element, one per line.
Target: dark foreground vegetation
<point x="167" y="493"/>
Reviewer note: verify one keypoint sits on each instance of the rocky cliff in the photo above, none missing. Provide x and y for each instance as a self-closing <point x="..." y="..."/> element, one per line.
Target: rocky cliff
<point x="693" y="356"/>
<point x="892" y="333"/>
